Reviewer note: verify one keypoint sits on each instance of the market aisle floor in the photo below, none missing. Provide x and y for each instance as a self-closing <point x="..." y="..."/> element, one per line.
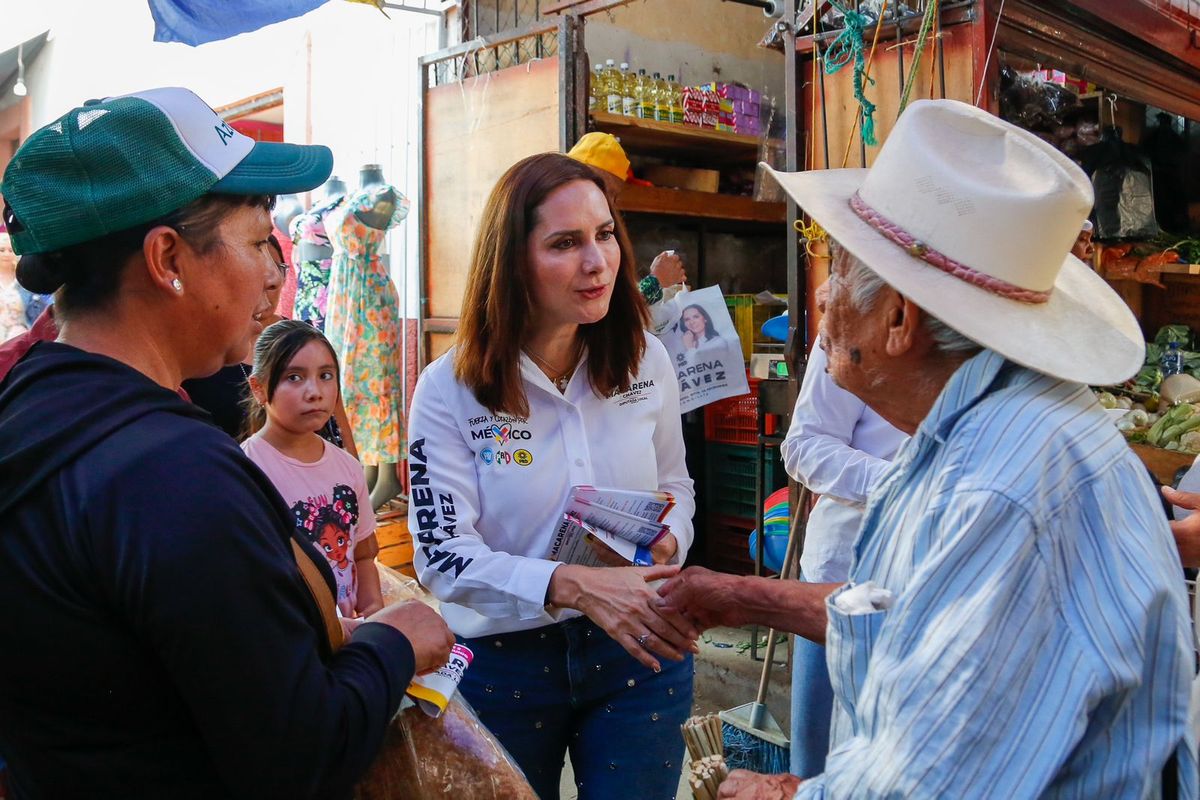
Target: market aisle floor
<point x="726" y="677"/>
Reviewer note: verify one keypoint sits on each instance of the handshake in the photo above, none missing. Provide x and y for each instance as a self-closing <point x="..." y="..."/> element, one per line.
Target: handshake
<point x="650" y="623"/>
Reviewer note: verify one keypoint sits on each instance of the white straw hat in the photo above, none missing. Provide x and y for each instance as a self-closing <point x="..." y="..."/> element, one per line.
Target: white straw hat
<point x="973" y="219"/>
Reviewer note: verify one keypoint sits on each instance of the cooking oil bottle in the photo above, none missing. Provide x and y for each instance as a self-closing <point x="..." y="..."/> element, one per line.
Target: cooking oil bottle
<point x="675" y="93"/>
<point x="662" y="99"/>
<point x="594" y="84"/>
<point x="633" y="91"/>
<point x="645" y="95"/>
<point x="612" y="88"/>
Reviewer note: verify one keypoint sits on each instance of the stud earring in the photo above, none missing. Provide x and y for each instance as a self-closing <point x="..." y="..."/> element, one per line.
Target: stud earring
<point x="177" y="285"/>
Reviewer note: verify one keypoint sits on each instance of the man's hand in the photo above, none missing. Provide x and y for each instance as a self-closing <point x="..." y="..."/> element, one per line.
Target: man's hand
<point x="668" y="268"/>
<point x="745" y="785"/>
<point x="425" y="630"/>
<point x="1187" y="531"/>
<point x="705" y="597"/>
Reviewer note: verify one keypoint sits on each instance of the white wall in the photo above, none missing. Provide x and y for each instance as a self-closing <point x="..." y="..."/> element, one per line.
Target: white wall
<point x="357" y="94"/>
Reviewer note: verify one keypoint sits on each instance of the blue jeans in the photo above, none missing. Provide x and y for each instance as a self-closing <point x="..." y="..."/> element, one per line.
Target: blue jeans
<point x="569" y="685"/>
<point x="812" y="708"/>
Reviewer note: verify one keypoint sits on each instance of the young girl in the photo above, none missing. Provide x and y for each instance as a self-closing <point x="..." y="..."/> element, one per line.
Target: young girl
<point x="294" y="389"/>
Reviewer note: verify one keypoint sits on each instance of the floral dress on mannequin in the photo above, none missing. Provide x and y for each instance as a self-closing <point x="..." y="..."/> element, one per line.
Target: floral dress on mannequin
<point x="312" y="275"/>
<point x="362" y="323"/>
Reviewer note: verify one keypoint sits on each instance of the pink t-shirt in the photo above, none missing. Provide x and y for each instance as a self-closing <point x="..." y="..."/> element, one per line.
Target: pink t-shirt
<point x="330" y="505"/>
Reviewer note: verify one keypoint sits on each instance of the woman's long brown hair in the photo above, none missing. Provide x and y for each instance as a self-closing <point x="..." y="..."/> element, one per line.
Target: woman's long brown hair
<point x="498" y="306"/>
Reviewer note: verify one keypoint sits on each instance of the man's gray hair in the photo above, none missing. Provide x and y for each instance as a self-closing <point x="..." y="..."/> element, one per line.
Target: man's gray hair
<point x="865" y="287"/>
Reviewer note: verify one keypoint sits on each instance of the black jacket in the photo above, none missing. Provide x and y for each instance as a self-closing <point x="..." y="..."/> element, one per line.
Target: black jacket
<point x="158" y="639"/>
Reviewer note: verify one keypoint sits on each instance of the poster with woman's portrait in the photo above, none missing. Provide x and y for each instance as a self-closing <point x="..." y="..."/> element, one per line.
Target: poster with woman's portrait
<point x="705" y="348"/>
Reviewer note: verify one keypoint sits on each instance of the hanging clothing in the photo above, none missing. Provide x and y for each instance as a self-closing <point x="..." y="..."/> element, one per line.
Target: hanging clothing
<point x="287" y="295"/>
<point x="312" y="275"/>
<point x="12" y="311"/>
<point x="363" y="326"/>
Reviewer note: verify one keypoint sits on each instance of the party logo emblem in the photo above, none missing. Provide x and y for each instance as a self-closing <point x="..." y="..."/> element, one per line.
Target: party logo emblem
<point x="523" y="458"/>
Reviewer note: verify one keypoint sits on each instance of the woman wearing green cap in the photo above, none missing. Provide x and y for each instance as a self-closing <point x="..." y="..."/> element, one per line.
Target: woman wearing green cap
<point x="163" y="638"/>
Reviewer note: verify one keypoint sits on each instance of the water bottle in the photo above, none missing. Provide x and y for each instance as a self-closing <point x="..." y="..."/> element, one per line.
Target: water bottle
<point x="1171" y="361"/>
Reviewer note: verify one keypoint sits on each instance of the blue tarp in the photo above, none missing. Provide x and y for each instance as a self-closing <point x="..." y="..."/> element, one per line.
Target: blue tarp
<point x="198" y="21"/>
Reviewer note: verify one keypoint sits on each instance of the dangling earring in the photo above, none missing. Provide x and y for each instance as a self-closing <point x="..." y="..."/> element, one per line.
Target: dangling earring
<point x="177" y="285"/>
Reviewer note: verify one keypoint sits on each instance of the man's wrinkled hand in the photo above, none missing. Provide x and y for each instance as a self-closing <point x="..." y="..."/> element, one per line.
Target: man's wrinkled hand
<point x="745" y="785"/>
<point x="704" y="597"/>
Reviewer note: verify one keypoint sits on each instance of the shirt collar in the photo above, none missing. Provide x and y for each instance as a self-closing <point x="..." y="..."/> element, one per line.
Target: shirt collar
<point x="969" y="383"/>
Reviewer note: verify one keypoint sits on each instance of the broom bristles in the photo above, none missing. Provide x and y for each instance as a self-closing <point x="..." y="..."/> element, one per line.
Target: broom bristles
<point x="744" y="750"/>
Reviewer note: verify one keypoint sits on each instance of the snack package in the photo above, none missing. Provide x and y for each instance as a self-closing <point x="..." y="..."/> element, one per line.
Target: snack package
<point x="450" y="755"/>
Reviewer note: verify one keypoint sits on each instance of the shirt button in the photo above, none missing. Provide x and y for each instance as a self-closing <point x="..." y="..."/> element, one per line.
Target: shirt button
<point x="579" y="462"/>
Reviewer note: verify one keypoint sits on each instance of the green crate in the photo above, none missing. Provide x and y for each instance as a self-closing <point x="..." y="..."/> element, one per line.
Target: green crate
<point x="730" y="474"/>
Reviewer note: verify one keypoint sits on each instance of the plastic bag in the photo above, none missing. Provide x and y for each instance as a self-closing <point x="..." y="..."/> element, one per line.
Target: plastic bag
<point x="1124" y="188"/>
<point x="453" y="755"/>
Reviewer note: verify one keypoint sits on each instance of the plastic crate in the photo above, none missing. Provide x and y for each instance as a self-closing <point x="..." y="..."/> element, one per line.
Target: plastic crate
<point x="725" y="544"/>
<point x="734" y="420"/>
<point x="748" y="318"/>
<point x="730" y="475"/>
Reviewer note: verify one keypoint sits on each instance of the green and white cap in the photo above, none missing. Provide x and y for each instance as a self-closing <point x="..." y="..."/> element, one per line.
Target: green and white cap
<point x="123" y="161"/>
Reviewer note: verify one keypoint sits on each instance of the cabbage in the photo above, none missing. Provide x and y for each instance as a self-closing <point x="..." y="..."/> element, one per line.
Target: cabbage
<point x="1106" y="400"/>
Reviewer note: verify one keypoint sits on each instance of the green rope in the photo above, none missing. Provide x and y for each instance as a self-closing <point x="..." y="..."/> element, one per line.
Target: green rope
<point x="931" y="11"/>
<point x="847" y="46"/>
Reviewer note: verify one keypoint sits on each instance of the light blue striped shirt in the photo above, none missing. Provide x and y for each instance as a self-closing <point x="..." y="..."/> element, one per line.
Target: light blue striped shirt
<point x="1039" y="642"/>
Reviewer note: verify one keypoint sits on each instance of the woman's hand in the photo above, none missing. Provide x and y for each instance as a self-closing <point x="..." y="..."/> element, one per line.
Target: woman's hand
<point x="689" y="340"/>
<point x="668" y="268"/>
<point x="665" y="549"/>
<point x="621" y="601"/>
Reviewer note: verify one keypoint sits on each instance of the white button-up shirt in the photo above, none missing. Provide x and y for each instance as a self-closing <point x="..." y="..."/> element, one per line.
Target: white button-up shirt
<point x="839" y="448"/>
<point x="487" y="490"/>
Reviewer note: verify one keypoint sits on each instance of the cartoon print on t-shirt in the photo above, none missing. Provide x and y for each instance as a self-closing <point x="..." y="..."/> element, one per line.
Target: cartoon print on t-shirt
<point x="329" y="524"/>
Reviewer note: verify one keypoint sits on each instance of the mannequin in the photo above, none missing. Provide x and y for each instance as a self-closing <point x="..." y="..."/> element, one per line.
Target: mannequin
<point x="314" y="254"/>
<point x="364" y="327"/>
<point x="287" y="208"/>
<point x="333" y="189"/>
<point x="12" y="309"/>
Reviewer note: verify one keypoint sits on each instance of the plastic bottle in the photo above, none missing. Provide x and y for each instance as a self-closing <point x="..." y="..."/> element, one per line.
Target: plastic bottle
<point x="1171" y="361"/>
<point x="676" y="100"/>
<point x="645" y="96"/>
<point x="612" y="88"/>
<point x="662" y="99"/>
<point x="622" y="87"/>
<point x="594" y="86"/>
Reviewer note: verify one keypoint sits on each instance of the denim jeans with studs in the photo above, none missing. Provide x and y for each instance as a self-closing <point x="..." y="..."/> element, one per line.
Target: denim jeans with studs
<point x="570" y="685"/>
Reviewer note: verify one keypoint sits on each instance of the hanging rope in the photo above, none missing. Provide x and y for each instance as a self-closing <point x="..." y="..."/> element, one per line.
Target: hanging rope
<point x="931" y="12"/>
<point x="849" y="46"/>
<point x="866" y="75"/>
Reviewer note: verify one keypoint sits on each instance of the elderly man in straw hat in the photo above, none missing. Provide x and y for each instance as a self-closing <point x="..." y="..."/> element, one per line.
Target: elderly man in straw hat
<point x="1015" y="623"/>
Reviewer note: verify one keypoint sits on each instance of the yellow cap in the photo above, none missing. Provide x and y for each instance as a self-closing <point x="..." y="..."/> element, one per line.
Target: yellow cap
<point x="602" y="151"/>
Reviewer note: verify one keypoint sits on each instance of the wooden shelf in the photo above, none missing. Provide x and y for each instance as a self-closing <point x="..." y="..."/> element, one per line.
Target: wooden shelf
<point x="684" y="203"/>
<point x="647" y="137"/>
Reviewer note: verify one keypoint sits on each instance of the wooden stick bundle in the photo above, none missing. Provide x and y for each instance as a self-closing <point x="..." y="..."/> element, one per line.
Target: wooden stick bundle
<point x="706" y="777"/>
<point x="702" y="735"/>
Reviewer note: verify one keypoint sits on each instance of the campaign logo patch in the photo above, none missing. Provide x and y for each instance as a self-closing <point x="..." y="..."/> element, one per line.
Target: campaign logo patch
<point x="501" y="433"/>
<point x="487" y="455"/>
<point x="523" y="458"/>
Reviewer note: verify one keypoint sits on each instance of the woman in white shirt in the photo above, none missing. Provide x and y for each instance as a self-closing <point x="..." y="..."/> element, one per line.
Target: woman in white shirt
<point x="554" y="383"/>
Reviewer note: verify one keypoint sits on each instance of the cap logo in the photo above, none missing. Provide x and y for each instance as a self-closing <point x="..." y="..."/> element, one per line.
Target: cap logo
<point x="225" y="132"/>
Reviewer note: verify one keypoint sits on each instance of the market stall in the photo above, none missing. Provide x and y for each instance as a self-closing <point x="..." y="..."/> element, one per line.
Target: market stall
<point x="1114" y="86"/>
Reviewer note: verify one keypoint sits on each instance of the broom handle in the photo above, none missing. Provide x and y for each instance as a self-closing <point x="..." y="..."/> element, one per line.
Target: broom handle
<point x="789" y="559"/>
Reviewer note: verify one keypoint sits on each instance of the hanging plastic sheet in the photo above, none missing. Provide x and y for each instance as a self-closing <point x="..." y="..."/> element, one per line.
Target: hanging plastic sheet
<point x="195" y="22"/>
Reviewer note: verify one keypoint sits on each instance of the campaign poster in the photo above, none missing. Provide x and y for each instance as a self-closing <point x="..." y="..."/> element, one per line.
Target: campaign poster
<point x="704" y="346"/>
